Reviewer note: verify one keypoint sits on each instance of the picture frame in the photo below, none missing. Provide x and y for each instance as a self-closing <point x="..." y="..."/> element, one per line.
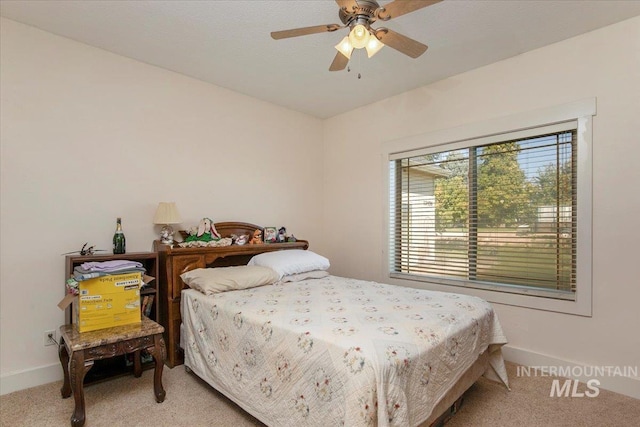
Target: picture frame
<point x="270" y="234"/>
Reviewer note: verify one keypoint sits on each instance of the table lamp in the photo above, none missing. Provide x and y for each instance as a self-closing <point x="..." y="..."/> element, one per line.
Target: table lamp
<point x="166" y="214"/>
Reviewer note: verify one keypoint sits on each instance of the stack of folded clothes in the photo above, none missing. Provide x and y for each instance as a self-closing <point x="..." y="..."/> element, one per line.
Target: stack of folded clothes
<point x="91" y="270"/>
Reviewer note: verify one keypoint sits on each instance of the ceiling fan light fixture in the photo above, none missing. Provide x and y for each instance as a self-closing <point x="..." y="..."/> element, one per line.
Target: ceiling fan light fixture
<point x="359" y="36"/>
<point x="357" y="16"/>
<point x="373" y="46"/>
<point x="345" y="47"/>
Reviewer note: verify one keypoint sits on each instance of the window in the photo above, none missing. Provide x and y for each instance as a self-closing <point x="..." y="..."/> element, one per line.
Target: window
<point x="497" y="214"/>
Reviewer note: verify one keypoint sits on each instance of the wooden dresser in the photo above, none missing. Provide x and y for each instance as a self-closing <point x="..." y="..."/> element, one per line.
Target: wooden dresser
<point x="175" y="260"/>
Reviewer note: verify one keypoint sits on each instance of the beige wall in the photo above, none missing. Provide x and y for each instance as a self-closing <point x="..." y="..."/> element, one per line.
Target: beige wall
<point x="69" y="112"/>
<point x="88" y="136"/>
<point x="604" y="64"/>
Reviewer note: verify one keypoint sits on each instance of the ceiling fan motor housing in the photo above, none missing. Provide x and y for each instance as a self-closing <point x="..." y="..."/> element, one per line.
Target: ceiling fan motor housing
<point x="362" y="12"/>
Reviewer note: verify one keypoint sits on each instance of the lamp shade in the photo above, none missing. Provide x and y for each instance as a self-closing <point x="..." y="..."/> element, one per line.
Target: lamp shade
<point x="373" y="46"/>
<point x="344" y="47"/>
<point x="167" y="213"/>
<point x="359" y="36"/>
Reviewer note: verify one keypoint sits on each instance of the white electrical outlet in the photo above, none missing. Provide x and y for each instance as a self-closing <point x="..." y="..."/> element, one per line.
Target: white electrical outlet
<point x="50" y="337"/>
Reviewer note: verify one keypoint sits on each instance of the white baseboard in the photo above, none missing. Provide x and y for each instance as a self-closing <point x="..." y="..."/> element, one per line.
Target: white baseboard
<point x="629" y="386"/>
<point x="21" y="380"/>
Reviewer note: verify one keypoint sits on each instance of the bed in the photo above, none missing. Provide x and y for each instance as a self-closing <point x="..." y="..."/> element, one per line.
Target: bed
<point x="329" y="350"/>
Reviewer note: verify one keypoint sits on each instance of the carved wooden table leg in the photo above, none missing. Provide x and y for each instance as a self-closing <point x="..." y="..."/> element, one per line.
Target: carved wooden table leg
<point x="78" y="350"/>
<point x="137" y="364"/>
<point x="63" y="354"/>
<point x="78" y="369"/>
<point x="158" y="351"/>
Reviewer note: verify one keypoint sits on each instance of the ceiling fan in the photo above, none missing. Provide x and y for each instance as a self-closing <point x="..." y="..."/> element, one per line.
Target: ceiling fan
<point x="358" y="15"/>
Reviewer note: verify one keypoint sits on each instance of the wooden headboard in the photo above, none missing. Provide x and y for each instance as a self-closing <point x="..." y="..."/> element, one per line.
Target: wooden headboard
<point x="175" y="260"/>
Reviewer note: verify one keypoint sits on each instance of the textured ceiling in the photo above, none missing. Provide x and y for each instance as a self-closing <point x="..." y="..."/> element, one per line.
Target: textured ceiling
<point x="227" y="43"/>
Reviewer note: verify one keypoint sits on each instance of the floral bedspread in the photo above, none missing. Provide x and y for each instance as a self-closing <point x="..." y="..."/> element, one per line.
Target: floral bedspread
<point x="337" y="351"/>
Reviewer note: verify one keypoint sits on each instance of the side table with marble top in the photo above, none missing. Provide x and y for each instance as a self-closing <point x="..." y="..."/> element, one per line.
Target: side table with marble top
<point x="78" y="351"/>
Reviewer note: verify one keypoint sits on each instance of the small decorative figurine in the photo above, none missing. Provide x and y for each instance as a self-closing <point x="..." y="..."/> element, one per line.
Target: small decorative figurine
<point x="269" y="235"/>
<point x="240" y="240"/>
<point x="282" y="235"/>
<point x="257" y="238"/>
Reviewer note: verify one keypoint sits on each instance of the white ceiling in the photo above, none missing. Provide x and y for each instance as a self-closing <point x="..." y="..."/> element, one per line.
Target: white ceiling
<point x="228" y="44"/>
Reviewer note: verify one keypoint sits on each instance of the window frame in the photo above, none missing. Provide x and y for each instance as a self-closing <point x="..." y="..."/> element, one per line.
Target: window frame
<point x="582" y="113"/>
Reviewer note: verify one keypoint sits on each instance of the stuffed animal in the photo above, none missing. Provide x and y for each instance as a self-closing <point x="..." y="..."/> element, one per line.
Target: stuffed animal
<point x="207" y="226"/>
<point x="206" y="232"/>
<point x="257" y="238"/>
<point x="240" y="240"/>
<point x="282" y="235"/>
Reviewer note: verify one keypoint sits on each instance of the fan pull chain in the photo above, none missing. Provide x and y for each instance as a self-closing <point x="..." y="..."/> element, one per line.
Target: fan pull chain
<point x="349" y="70"/>
<point x="358" y="66"/>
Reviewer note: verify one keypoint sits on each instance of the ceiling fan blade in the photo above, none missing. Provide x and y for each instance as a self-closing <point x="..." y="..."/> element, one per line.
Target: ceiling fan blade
<point x="277" y="35"/>
<point x="400" y="43"/>
<point x="339" y="62"/>
<point x="402" y="7"/>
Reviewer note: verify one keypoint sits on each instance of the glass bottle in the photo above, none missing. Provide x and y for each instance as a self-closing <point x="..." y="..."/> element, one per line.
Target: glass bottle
<point x="119" y="242"/>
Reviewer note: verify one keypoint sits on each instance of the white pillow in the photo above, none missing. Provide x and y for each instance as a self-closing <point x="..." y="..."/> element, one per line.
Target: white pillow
<point x="214" y="280"/>
<point x="293" y="261"/>
<point x="315" y="274"/>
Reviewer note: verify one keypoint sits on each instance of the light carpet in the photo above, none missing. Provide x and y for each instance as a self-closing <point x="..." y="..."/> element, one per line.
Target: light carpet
<point x="129" y="401"/>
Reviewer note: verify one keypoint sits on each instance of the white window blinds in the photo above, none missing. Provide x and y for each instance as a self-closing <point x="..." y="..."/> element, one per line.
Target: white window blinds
<point x="496" y="212"/>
